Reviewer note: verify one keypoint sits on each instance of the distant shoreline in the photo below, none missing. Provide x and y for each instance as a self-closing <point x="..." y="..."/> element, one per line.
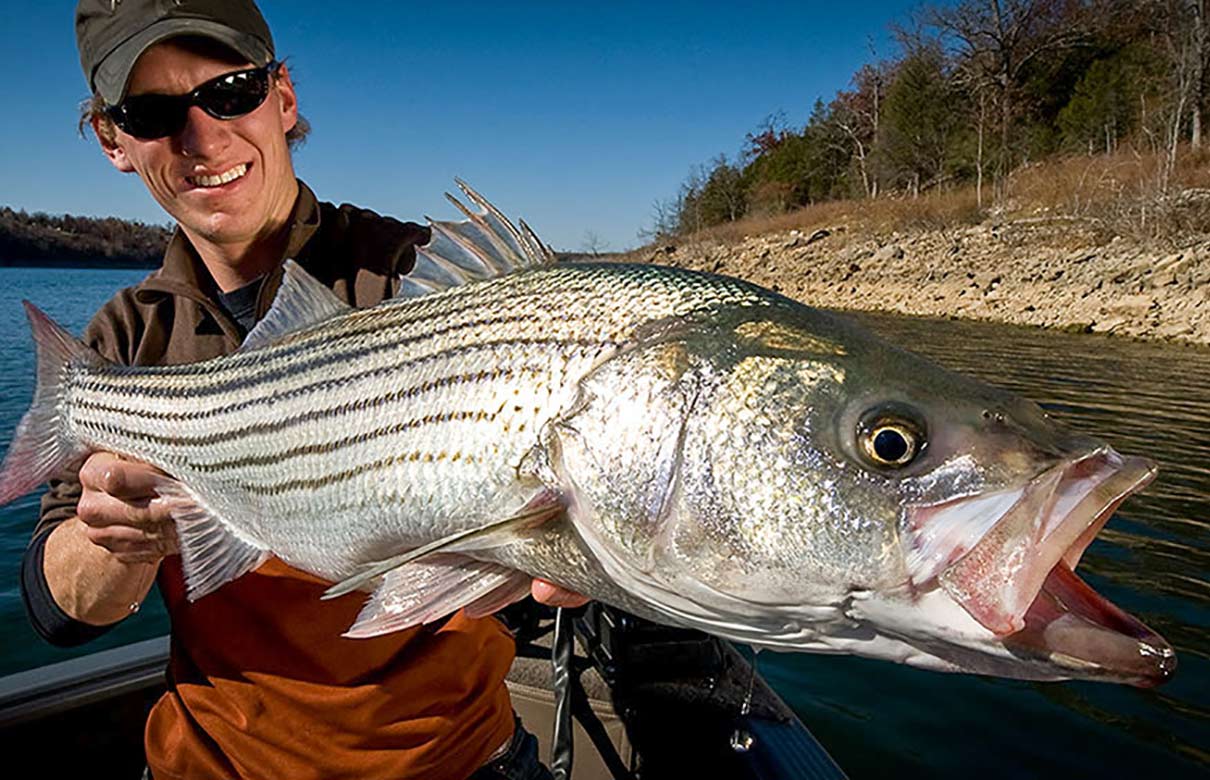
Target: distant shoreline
<point x="65" y="241"/>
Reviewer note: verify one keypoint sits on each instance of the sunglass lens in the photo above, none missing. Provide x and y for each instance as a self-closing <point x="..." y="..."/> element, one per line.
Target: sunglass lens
<point x="153" y="116"/>
<point x="235" y="94"/>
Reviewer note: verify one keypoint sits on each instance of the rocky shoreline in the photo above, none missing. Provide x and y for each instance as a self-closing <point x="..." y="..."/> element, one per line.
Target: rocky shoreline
<point x="1045" y="273"/>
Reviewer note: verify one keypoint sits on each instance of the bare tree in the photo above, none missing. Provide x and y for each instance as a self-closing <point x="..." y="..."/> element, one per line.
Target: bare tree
<point x="996" y="40"/>
<point x="857" y="114"/>
<point x="1197" y="10"/>
<point x="593" y="244"/>
<point x="665" y="216"/>
<point x="1178" y="22"/>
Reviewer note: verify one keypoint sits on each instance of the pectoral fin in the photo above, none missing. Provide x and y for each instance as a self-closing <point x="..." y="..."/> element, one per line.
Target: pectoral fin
<point x="542" y="509"/>
<point x="420" y="592"/>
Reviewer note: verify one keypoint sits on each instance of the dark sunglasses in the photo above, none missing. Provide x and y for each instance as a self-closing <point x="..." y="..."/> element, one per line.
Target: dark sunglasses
<point x="227" y="96"/>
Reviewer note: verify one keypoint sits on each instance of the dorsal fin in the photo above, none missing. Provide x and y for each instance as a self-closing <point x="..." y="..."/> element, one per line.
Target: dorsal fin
<point x="302" y="300"/>
<point x="484" y="245"/>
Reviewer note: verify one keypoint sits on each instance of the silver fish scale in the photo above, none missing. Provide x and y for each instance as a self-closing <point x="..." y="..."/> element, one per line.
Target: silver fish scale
<point x="388" y="427"/>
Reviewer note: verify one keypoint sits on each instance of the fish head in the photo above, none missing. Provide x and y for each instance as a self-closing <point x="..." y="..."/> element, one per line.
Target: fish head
<point x="820" y="490"/>
<point x="997" y="503"/>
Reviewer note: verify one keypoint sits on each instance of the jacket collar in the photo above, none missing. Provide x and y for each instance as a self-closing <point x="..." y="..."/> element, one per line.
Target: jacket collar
<point x="183" y="273"/>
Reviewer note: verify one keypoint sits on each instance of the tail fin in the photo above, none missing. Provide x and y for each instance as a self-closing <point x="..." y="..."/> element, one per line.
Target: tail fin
<point x="40" y="447"/>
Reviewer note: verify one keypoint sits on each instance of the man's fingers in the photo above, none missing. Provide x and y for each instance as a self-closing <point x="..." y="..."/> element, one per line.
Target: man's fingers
<point x="553" y="596"/>
<point x="119" y="511"/>
<point x="126" y="479"/>
<point x="98" y="509"/>
<point x="134" y="543"/>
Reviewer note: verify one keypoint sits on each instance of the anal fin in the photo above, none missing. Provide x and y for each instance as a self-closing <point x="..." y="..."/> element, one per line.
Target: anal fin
<point x="213" y="552"/>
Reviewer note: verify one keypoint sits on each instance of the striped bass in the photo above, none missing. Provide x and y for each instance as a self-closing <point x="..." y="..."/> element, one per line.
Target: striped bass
<point x="686" y="446"/>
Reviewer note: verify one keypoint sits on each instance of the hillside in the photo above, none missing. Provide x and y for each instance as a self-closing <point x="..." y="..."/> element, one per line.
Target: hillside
<point x="1041" y="260"/>
<point x="69" y="241"/>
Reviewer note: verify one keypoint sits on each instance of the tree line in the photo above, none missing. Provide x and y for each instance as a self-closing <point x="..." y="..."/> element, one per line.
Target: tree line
<point x="42" y="239"/>
<point x="977" y="90"/>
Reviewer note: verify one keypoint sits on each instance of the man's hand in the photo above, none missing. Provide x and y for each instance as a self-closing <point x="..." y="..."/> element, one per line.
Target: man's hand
<point x="118" y="507"/>
<point x="552" y="595"/>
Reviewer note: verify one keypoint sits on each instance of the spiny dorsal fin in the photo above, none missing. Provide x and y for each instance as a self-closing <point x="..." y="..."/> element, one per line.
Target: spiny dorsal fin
<point x="484" y="245"/>
<point x="302" y="300"/>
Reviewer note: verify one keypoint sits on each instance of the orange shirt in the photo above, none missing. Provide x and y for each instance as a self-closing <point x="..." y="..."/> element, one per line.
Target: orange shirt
<point x="268" y="688"/>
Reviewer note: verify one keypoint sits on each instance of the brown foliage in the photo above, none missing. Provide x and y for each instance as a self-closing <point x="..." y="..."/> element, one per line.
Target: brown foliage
<point x="68" y="240"/>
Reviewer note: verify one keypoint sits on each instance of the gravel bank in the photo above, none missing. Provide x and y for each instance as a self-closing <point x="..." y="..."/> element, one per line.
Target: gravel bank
<point x="1043" y="274"/>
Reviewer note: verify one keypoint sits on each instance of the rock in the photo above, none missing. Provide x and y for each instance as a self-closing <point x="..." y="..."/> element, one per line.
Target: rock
<point x="888" y="253"/>
<point x="1106" y="325"/>
<point x="1130" y="306"/>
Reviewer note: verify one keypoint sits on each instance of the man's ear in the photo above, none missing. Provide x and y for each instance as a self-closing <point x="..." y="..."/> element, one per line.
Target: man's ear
<point x="107" y="134"/>
<point x="289" y="101"/>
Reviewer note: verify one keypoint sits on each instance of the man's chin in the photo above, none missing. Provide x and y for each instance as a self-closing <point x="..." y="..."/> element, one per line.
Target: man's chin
<point x="228" y="225"/>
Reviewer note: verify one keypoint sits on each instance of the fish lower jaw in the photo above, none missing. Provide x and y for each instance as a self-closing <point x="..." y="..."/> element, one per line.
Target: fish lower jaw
<point x="1074" y="627"/>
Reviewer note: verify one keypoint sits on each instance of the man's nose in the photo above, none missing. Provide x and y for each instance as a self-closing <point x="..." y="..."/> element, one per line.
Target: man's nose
<point x="203" y="135"/>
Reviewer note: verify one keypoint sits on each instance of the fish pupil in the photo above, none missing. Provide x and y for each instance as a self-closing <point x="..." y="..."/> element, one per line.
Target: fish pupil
<point x="890" y="445"/>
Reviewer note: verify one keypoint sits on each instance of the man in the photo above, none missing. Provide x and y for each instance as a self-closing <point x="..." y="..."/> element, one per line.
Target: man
<point x="188" y="97"/>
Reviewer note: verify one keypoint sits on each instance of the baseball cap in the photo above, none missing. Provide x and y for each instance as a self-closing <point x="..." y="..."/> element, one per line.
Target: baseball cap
<point x="111" y="34"/>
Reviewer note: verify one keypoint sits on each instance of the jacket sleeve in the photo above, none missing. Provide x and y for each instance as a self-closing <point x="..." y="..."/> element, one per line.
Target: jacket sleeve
<point x="110" y="335"/>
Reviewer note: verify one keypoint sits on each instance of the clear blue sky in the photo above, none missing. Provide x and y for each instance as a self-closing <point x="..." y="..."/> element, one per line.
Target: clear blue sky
<point x="572" y="116"/>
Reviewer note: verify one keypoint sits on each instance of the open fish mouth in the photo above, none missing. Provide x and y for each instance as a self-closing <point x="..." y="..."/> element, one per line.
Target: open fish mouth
<point x="1009" y="560"/>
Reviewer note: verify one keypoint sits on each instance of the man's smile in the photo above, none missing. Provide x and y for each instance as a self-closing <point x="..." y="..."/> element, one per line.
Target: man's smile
<point x="219" y="179"/>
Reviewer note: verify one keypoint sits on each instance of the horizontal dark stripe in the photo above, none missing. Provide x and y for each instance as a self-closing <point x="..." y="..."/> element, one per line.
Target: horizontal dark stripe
<point x="258" y="372"/>
<point x="319" y="386"/>
<point x="346" y="475"/>
<point x="323" y="448"/>
<point x="311" y="415"/>
<point x="361" y="404"/>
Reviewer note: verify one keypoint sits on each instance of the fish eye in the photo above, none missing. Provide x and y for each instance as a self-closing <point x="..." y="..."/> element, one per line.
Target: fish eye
<point x="890" y="440"/>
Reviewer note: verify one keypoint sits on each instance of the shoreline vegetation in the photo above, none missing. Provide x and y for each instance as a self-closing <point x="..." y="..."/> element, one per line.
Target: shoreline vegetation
<point x="1027" y="162"/>
<point x="1058" y="254"/>
<point x="42" y="240"/>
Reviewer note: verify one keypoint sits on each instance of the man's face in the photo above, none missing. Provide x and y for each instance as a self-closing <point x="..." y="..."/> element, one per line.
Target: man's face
<point x="226" y="181"/>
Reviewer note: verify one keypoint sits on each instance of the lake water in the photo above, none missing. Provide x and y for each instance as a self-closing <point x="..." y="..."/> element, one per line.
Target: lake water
<point x="879" y="719"/>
